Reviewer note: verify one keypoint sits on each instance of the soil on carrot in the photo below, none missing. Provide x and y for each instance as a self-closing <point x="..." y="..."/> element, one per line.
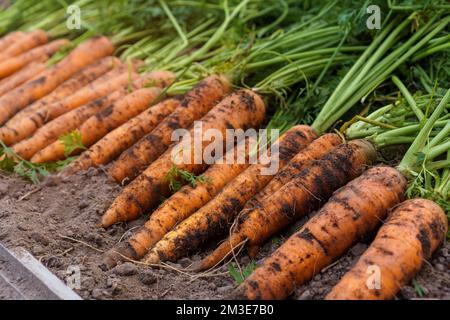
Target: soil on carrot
<point x="56" y="221"/>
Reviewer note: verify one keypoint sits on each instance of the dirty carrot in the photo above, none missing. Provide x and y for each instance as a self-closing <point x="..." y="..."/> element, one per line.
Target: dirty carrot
<point x="97" y="122"/>
<point x="15" y="63"/>
<point x="114" y="143"/>
<point x="22" y="126"/>
<point x="106" y="84"/>
<point x="345" y="219"/>
<point x="81" y="56"/>
<point x="10" y="39"/>
<point x="29" y="41"/>
<point x="195" y="105"/>
<point x="23" y="75"/>
<point x="240" y="110"/>
<point x="412" y="232"/>
<point x="305" y="192"/>
<point x="213" y="219"/>
<point x="315" y="150"/>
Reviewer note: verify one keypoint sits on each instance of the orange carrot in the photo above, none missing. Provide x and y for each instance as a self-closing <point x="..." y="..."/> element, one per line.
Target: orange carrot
<point x="93" y="124"/>
<point x="29" y="41"/>
<point x="11" y="65"/>
<point x="118" y="140"/>
<point x="311" y="187"/>
<point x="349" y="215"/>
<point x="83" y="55"/>
<point x="412" y="232"/>
<point x="195" y="105"/>
<point x="22" y="126"/>
<point x="315" y="150"/>
<point x="242" y="109"/>
<point x="9" y="39"/>
<point x="23" y="75"/>
<point x="213" y="218"/>
<point x="99" y="121"/>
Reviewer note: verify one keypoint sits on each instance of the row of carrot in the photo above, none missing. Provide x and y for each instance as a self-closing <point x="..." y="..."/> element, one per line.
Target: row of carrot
<point x="107" y="103"/>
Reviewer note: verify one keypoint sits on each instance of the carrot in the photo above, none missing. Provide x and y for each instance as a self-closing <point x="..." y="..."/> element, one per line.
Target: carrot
<point x="242" y="109"/>
<point x="23" y="75"/>
<point x="94" y="123"/>
<point x="349" y="215"/>
<point x="118" y="140"/>
<point x="106" y="84"/>
<point x="9" y="39"/>
<point x="11" y="65"/>
<point x="195" y="105"/>
<point x="412" y="232"/>
<point x="315" y="150"/>
<point x="83" y="55"/>
<point x="22" y="126"/>
<point x="29" y="41"/>
<point x="213" y="218"/>
<point x="304" y="193"/>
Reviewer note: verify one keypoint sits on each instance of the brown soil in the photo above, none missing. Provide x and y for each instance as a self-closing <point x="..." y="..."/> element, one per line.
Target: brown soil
<point x="45" y="218"/>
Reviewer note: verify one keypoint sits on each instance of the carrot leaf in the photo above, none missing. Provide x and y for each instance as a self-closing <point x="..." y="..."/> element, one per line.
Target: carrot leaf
<point x="72" y="141"/>
<point x="240" y="275"/>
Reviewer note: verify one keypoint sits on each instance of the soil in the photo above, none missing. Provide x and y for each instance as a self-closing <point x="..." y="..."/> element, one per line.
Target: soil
<point x="56" y="221"/>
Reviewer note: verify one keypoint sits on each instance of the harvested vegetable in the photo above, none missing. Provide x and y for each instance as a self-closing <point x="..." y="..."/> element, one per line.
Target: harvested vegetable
<point x="22" y="126"/>
<point x="23" y="75"/>
<point x="9" y="39"/>
<point x="195" y="105"/>
<point x="15" y="63"/>
<point x="412" y="232"/>
<point x="95" y="121"/>
<point x="300" y="196"/>
<point x="29" y="41"/>
<point x="114" y="143"/>
<point x="213" y="218"/>
<point x="240" y="110"/>
<point x="83" y="55"/>
<point x="353" y="211"/>
<point x="226" y="183"/>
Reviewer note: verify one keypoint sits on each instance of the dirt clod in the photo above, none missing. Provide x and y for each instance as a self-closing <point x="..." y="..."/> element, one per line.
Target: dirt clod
<point x="126" y="269"/>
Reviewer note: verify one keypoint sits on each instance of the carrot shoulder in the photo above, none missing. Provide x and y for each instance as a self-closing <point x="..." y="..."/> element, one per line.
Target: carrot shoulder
<point x="22" y="125"/>
<point x="213" y="219"/>
<point x="412" y="232"/>
<point x="303" y="194"/>
<point x="243" y="109"/>
<point x="349" y="215"/>
<point x="83" y="55"/>
<point x="195" y="105"/>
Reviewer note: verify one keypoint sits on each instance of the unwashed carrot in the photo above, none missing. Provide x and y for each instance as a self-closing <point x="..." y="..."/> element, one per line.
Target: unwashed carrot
<point x="303" y="194"/>
<point x="9" y="39"/>
<point x="94" y="123"/>
<point x="22" y="126"/>
<point x="114" y="143"/>
<point x="240" y="110"/>
<point x="183" y="203"/>
<point x="23" y="75"/>
<point x="213" y="219"/>
<point x="11" y="65"/>
<point x="29" y="41"/>
<point x="83" y="55"/>
<point x="106" y="84"/>
<point x="315" y="150"/>
<point x="346" y="218"/>
<point x="195" y="105"/>
<point x="412" y="232"/>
